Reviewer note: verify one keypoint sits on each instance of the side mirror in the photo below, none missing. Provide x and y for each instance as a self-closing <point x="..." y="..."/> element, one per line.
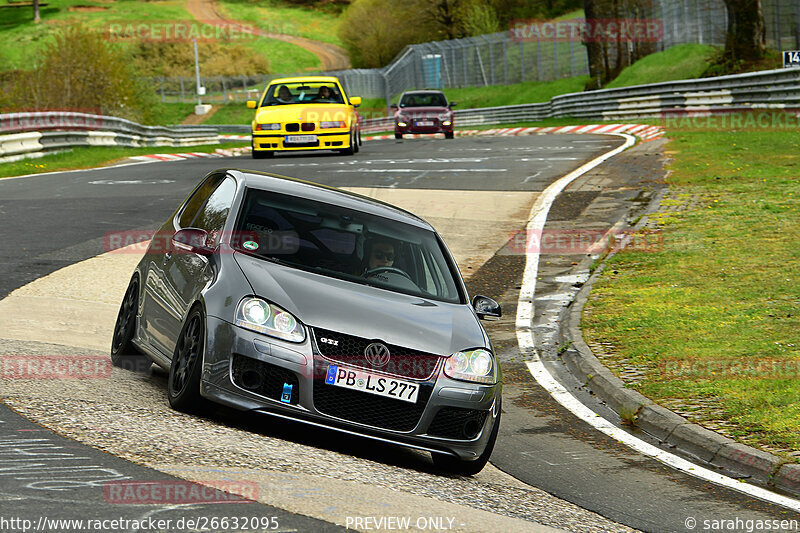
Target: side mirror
<point x="192" y="240"/>
<point x="453" y="104"/>
<point x="393" y="106"/>
<point x="486" y="308"/>
<point x="355" y="101"/>
<point x="251" y="104"/>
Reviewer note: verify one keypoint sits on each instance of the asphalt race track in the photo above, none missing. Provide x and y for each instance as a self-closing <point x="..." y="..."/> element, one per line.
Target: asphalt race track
<point x="548" y="467"/>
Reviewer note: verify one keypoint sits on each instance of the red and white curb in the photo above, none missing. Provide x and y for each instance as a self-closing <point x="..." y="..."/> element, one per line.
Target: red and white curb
<point x="220" y="152"/>
<point x="644" y="132"/>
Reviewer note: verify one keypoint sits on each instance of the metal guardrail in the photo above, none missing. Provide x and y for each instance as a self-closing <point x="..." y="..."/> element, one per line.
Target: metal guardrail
<point x="22" y="134"/>
<point x="771" y="89"/>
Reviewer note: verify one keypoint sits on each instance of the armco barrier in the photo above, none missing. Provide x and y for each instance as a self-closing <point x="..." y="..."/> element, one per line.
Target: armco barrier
<point x="25" y="134"/>
<point x="771" y="89"/>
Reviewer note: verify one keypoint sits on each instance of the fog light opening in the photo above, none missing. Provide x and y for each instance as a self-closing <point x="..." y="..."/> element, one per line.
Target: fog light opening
<point x="471" y="429"/>
<point x="251" y="379"/>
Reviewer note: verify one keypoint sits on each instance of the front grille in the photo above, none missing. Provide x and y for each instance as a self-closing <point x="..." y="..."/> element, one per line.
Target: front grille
<point x="457" y="423"/>
<point x="370" y="409"/>
<point x="292" y="126"/>
<point x="263" y="378"/>
<point x="350" y="350"/>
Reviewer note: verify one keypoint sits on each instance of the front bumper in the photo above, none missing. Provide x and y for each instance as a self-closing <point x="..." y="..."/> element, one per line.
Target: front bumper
<point x="266" y="141"/>
<point x="413" y="127"/>
<point x="450" y="417"/>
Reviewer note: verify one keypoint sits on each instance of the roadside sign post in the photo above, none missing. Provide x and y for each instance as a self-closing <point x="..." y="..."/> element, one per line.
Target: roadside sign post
<point x="791" y="58"/>
<point x="199" y="109"/>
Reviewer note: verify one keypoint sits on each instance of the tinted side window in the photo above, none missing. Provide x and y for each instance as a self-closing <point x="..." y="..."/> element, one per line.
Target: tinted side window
<point x="197" y="201"/>
<point x="215" y="211"/>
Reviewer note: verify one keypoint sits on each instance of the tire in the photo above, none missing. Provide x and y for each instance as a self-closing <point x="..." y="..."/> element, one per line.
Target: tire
<point x="450" y="465"/>
<point x="360" y="142"/>
<point x="449" y="135"/>
<point x="355" y="142"/>
<point x="124" y="353"/>
<point x="398" y="135"/>
<point x="183" y="386"/>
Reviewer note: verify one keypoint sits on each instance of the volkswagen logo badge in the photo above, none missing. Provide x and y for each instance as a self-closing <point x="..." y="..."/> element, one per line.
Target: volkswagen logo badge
<point x="377" y="354"/>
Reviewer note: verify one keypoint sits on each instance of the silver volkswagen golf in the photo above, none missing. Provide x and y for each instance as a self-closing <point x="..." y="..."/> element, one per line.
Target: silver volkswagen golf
<point x="297" y="300"/>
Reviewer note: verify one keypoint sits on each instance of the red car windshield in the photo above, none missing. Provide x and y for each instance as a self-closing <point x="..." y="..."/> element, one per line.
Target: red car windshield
<point x="423" y="100"/>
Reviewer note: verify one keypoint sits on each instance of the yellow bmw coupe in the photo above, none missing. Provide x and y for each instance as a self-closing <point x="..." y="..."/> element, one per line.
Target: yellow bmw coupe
<point x="308" y="113"/>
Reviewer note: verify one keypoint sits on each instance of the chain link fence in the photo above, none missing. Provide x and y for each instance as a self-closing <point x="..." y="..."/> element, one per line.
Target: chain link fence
<point x="502" y="59"/>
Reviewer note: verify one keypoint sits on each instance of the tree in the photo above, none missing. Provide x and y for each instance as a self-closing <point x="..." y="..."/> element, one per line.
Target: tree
<point x="609" y="50"/>
<point x="36" y="17"/>
<point x="746" y="39"/>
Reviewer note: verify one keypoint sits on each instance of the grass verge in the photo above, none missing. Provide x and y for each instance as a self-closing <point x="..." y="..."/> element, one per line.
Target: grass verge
<point x="95" y="156"/>
<point x="279" y="17"/>
<point x="22" y="41"/>
<point x="711" y="318"/>
<point x="677" y="63"/>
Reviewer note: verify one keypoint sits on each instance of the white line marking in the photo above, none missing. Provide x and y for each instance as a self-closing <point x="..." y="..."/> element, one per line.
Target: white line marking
<point x="527" y="346"/>
<point x="390" y="170"/>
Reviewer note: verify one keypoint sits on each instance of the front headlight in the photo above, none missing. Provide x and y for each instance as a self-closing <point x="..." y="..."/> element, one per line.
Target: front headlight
<point x="332" y="124"/>
<point x="268" y="126"/>
<point x="259" y="315"/>
<point x="472" y="365"/>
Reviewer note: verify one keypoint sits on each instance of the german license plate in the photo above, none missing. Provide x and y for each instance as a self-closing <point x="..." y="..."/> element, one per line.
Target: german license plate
<point x="349" y="378"/>
<point x="300" y="139"/>
<point x="424" y="123"/>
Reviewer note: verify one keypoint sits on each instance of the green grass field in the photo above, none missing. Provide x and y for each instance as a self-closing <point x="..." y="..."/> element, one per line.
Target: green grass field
<point x="95" y="156"/>
<point x="276" y="17"/>
<point x="21" y="41"/>
<point x="712" y="317"/>
<point x="680" y="62"/>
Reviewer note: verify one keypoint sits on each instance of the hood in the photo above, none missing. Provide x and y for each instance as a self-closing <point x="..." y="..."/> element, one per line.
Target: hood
<point x="368" y="312"/>
<point x="302" y="113"/>
<point x="424" y="111"/>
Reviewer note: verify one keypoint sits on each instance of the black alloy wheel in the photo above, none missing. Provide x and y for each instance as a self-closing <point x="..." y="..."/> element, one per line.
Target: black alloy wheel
<point x="124" y="353"/>
<point x="183" y="387"/>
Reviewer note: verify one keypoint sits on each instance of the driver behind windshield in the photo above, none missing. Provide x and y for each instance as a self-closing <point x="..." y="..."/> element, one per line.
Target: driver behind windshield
<point x="380" y="253"/>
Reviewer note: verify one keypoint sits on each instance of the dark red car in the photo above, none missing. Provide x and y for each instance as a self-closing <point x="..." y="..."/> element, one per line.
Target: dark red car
<point x="423" y="112"/>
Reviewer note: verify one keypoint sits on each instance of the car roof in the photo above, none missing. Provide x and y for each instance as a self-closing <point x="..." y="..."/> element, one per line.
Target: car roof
<point x="325" y="194"/>
<point x="423" y="91"/>
<point x="309" y="79"/>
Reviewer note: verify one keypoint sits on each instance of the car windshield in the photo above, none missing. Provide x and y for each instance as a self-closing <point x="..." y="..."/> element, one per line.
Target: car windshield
<point x="423" y="100"/>
<point x="339" y="242"/>
<point x="301" y="93"/>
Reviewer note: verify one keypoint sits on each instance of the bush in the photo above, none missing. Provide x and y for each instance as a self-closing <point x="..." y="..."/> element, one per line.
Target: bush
<point x="80" y="71"/>
<point x="177" y="59"/>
